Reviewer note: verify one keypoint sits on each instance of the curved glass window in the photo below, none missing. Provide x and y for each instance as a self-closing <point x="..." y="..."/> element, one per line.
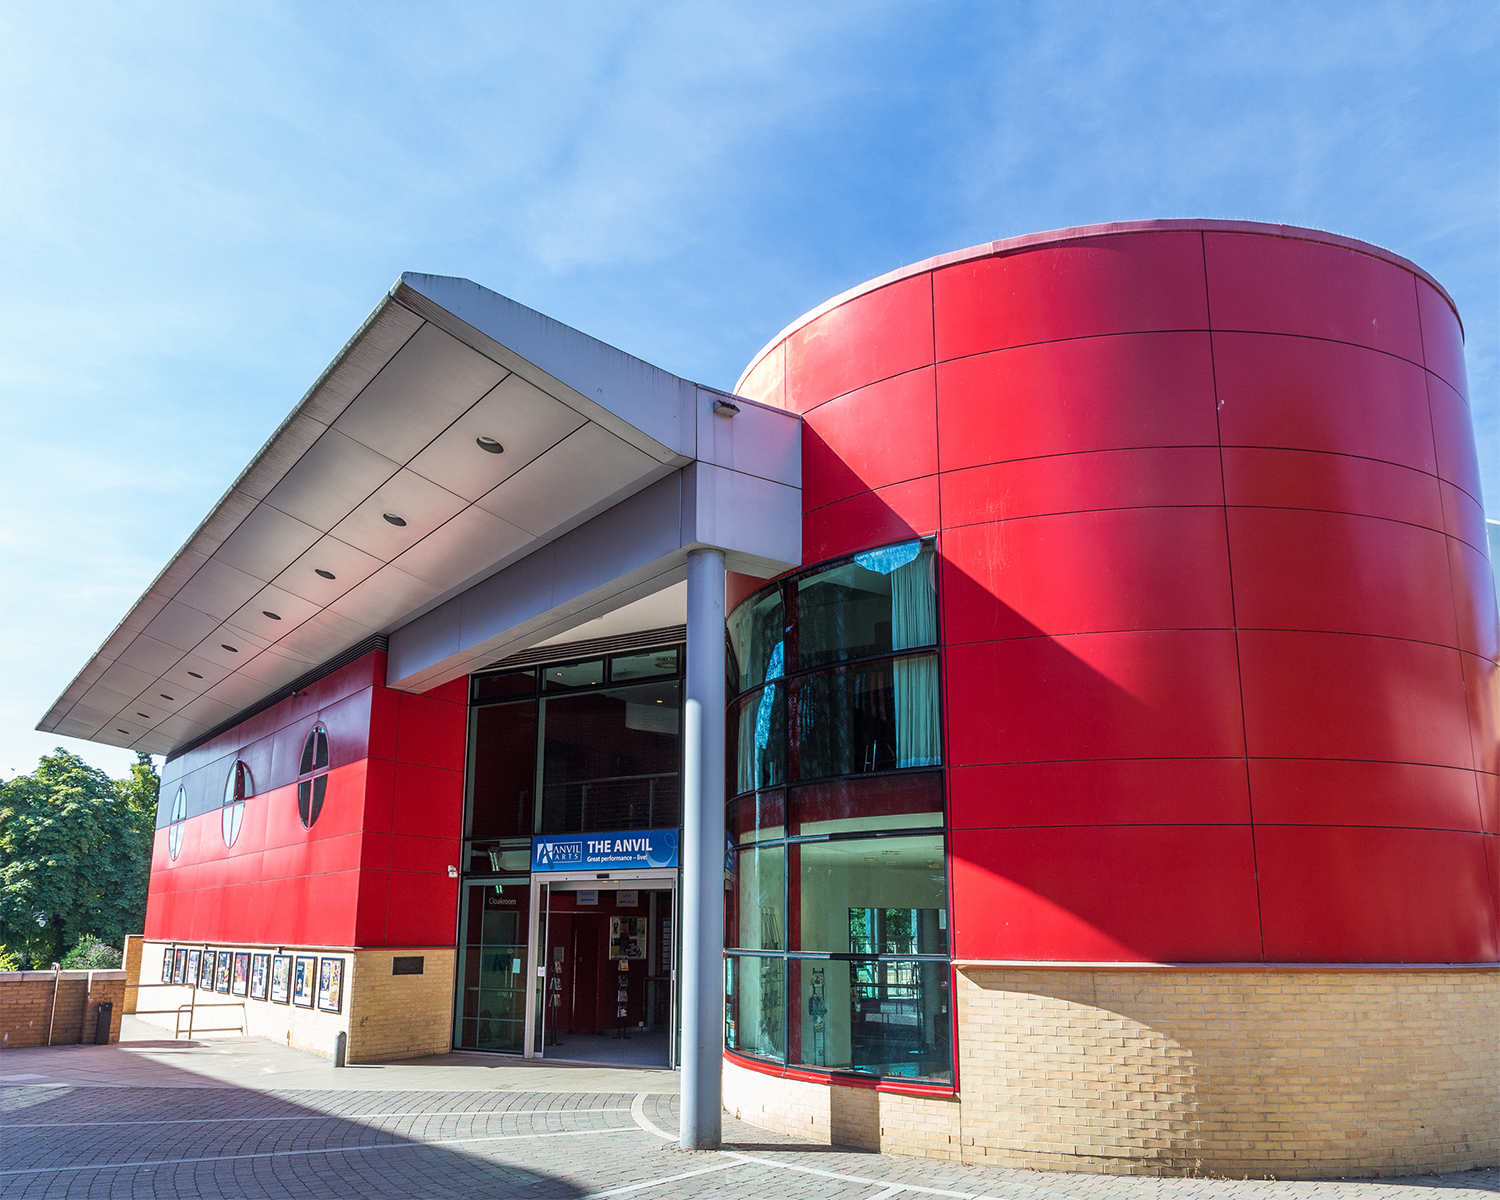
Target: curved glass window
<point x="312" y="788"/>
<point x="177" y="816"/>
<point x="836" y="910"/>
<point x="238" y="788"/>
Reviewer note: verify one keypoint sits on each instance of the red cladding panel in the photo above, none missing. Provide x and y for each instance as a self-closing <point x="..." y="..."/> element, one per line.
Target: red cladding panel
<point x="1332" y="482"/>
<point x="1332" y="695"/>
<point x="455" y="691"/>
<point x="1111" y="393"/>
<point x="737" y="587"/>
<point x="1489" y="803"/>
<point x="1474" y="600"/>
<point x="1142" y="791"/>
<point x="1032" y="487"/>
<point x="380" y="794"/>
<point x="1335" y="894"/>
<point x="1303" y="791"/>
<point x="1133" y="568"/>
<point x="385" y="706"/>
<point x="426" y="854"/>
<point x="902" y="510"/>
<point x="1169" y="694"/>
<point x="1281" y="285"/>
<point x="374" y="851"/>
<point x="1345" y="574"/>
<point x="1453" y="431"/>
<point x="429" y="801"/>
<point x="766" y="380"/>
<point x="1482" y="688"/>
<point x="423" y="909"/>
<point x="348" y="725"/>
<point x="1303" y="394"/>
<point x="882" y="434"/>
<point x="1161" y="893"/>
<point x="869" y="338"/>
<point x="432" y="732"/>
<point x="369" y="927"/>
<point x="1463" y="517"/>
<point x="1442" y="338"/>
<point x="1134" y="283"/>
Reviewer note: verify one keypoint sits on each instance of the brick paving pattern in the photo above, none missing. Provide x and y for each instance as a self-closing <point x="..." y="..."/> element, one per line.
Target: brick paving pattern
<point x="163" y="1143"/>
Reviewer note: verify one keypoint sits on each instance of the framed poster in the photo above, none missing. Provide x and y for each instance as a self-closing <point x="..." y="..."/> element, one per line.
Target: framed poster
<point x="239" y="983"/>
<point x="206" y="971"/>
<point x="168" y="953"/>
<point x="179" y="965"/>
<point x="281" y="979"/>
<point x="331" y="984"/>
<point x="260" y="973"/>
<point x="191" y="979"/>
<point x="221" y="979"/>
<point x="304" y="981"/>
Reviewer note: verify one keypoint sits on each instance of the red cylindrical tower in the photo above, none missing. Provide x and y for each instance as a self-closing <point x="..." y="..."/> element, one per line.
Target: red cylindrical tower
<point x="1218" y="622"/>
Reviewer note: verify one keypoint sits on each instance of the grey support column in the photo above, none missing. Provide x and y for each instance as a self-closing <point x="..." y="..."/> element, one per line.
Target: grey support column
<point x="703" y="856"/>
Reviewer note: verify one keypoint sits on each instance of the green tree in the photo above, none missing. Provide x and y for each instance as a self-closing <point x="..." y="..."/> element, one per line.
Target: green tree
<point x="75" y="855"/>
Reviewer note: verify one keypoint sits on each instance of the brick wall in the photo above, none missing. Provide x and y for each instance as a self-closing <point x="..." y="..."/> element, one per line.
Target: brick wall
<point x="401" y="1016"/>
<point x="1294" y="1073"/>
<point x="385" y="1016"/>
<point x="130" y="963"/>
<point x="844" y="1116"/>
<point x="29" y="1017"/>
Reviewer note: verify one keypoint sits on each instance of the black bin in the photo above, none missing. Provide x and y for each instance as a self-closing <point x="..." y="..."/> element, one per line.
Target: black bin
<point x="106" y="1018"/>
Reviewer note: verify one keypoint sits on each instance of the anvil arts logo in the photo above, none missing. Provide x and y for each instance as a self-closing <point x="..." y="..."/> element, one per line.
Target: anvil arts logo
<point x="554" y="853"/>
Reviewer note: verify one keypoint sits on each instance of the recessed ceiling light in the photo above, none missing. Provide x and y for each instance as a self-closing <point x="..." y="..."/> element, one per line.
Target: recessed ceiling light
<point x="323" y="573"/>
<point x="164" y="696"/>
<point x="490" y="444"/>
<point x="195" y="675"/>
<point x="266" y="612"/>
<point x="228" y="647"/>
<point x="126" y="732"/>
<point x="146" y="715"/>
<point x="394" y="519"/>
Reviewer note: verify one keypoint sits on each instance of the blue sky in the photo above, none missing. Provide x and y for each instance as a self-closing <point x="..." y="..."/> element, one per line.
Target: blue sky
<point x="200" y="203"/>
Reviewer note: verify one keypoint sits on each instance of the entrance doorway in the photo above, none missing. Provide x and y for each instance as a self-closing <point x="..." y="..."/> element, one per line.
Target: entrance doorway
<point x="605" y="971"/>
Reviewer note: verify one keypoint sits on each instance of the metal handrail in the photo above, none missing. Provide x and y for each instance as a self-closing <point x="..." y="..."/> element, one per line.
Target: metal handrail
<point x="191" y="1008"/>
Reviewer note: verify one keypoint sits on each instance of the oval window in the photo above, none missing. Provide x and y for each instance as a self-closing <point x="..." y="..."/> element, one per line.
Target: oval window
<point x="314" y="785"/>
<point x="177" y="816"/>
<point x="238" y="788"/>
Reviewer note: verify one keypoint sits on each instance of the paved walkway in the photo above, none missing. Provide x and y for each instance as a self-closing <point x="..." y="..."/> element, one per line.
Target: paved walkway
<point x="246" y="1118"/>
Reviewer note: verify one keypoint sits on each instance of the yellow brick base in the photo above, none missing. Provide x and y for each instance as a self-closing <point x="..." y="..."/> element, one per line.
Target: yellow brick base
<point x="1300" y="1073"/>
<point x="385" y="1016"/>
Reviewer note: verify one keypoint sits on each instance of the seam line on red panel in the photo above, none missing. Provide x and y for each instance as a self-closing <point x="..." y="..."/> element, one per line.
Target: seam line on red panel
<point x="1175" y="758"/>
<point x="1333" y="512"/>
<point x="1086" y="337"/>
<point x="1463" y="679"/>
<point x="1239" y="667"/>
<point x="1219" y="825"/>
<point x="1072" y="633"/>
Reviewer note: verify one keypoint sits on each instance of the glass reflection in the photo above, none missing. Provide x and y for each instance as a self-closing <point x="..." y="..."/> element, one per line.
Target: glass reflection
<point x="757" y="900"/>
<point x="492" y="993"/>
<point x="884" y="600"/>
<point x="754" y="1006"/>
<point x="880" y="1017"/>
<point x="841" y="883"/>
<point x="874" y="717"/>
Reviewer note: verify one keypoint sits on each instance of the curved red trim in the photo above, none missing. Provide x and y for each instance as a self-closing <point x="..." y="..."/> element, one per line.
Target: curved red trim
<point x="832" y="1078"/>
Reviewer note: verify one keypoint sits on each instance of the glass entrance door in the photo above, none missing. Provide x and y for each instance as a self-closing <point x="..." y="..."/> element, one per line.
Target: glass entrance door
<point x="492" y="973"/>
<point x="605" y="970"/>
